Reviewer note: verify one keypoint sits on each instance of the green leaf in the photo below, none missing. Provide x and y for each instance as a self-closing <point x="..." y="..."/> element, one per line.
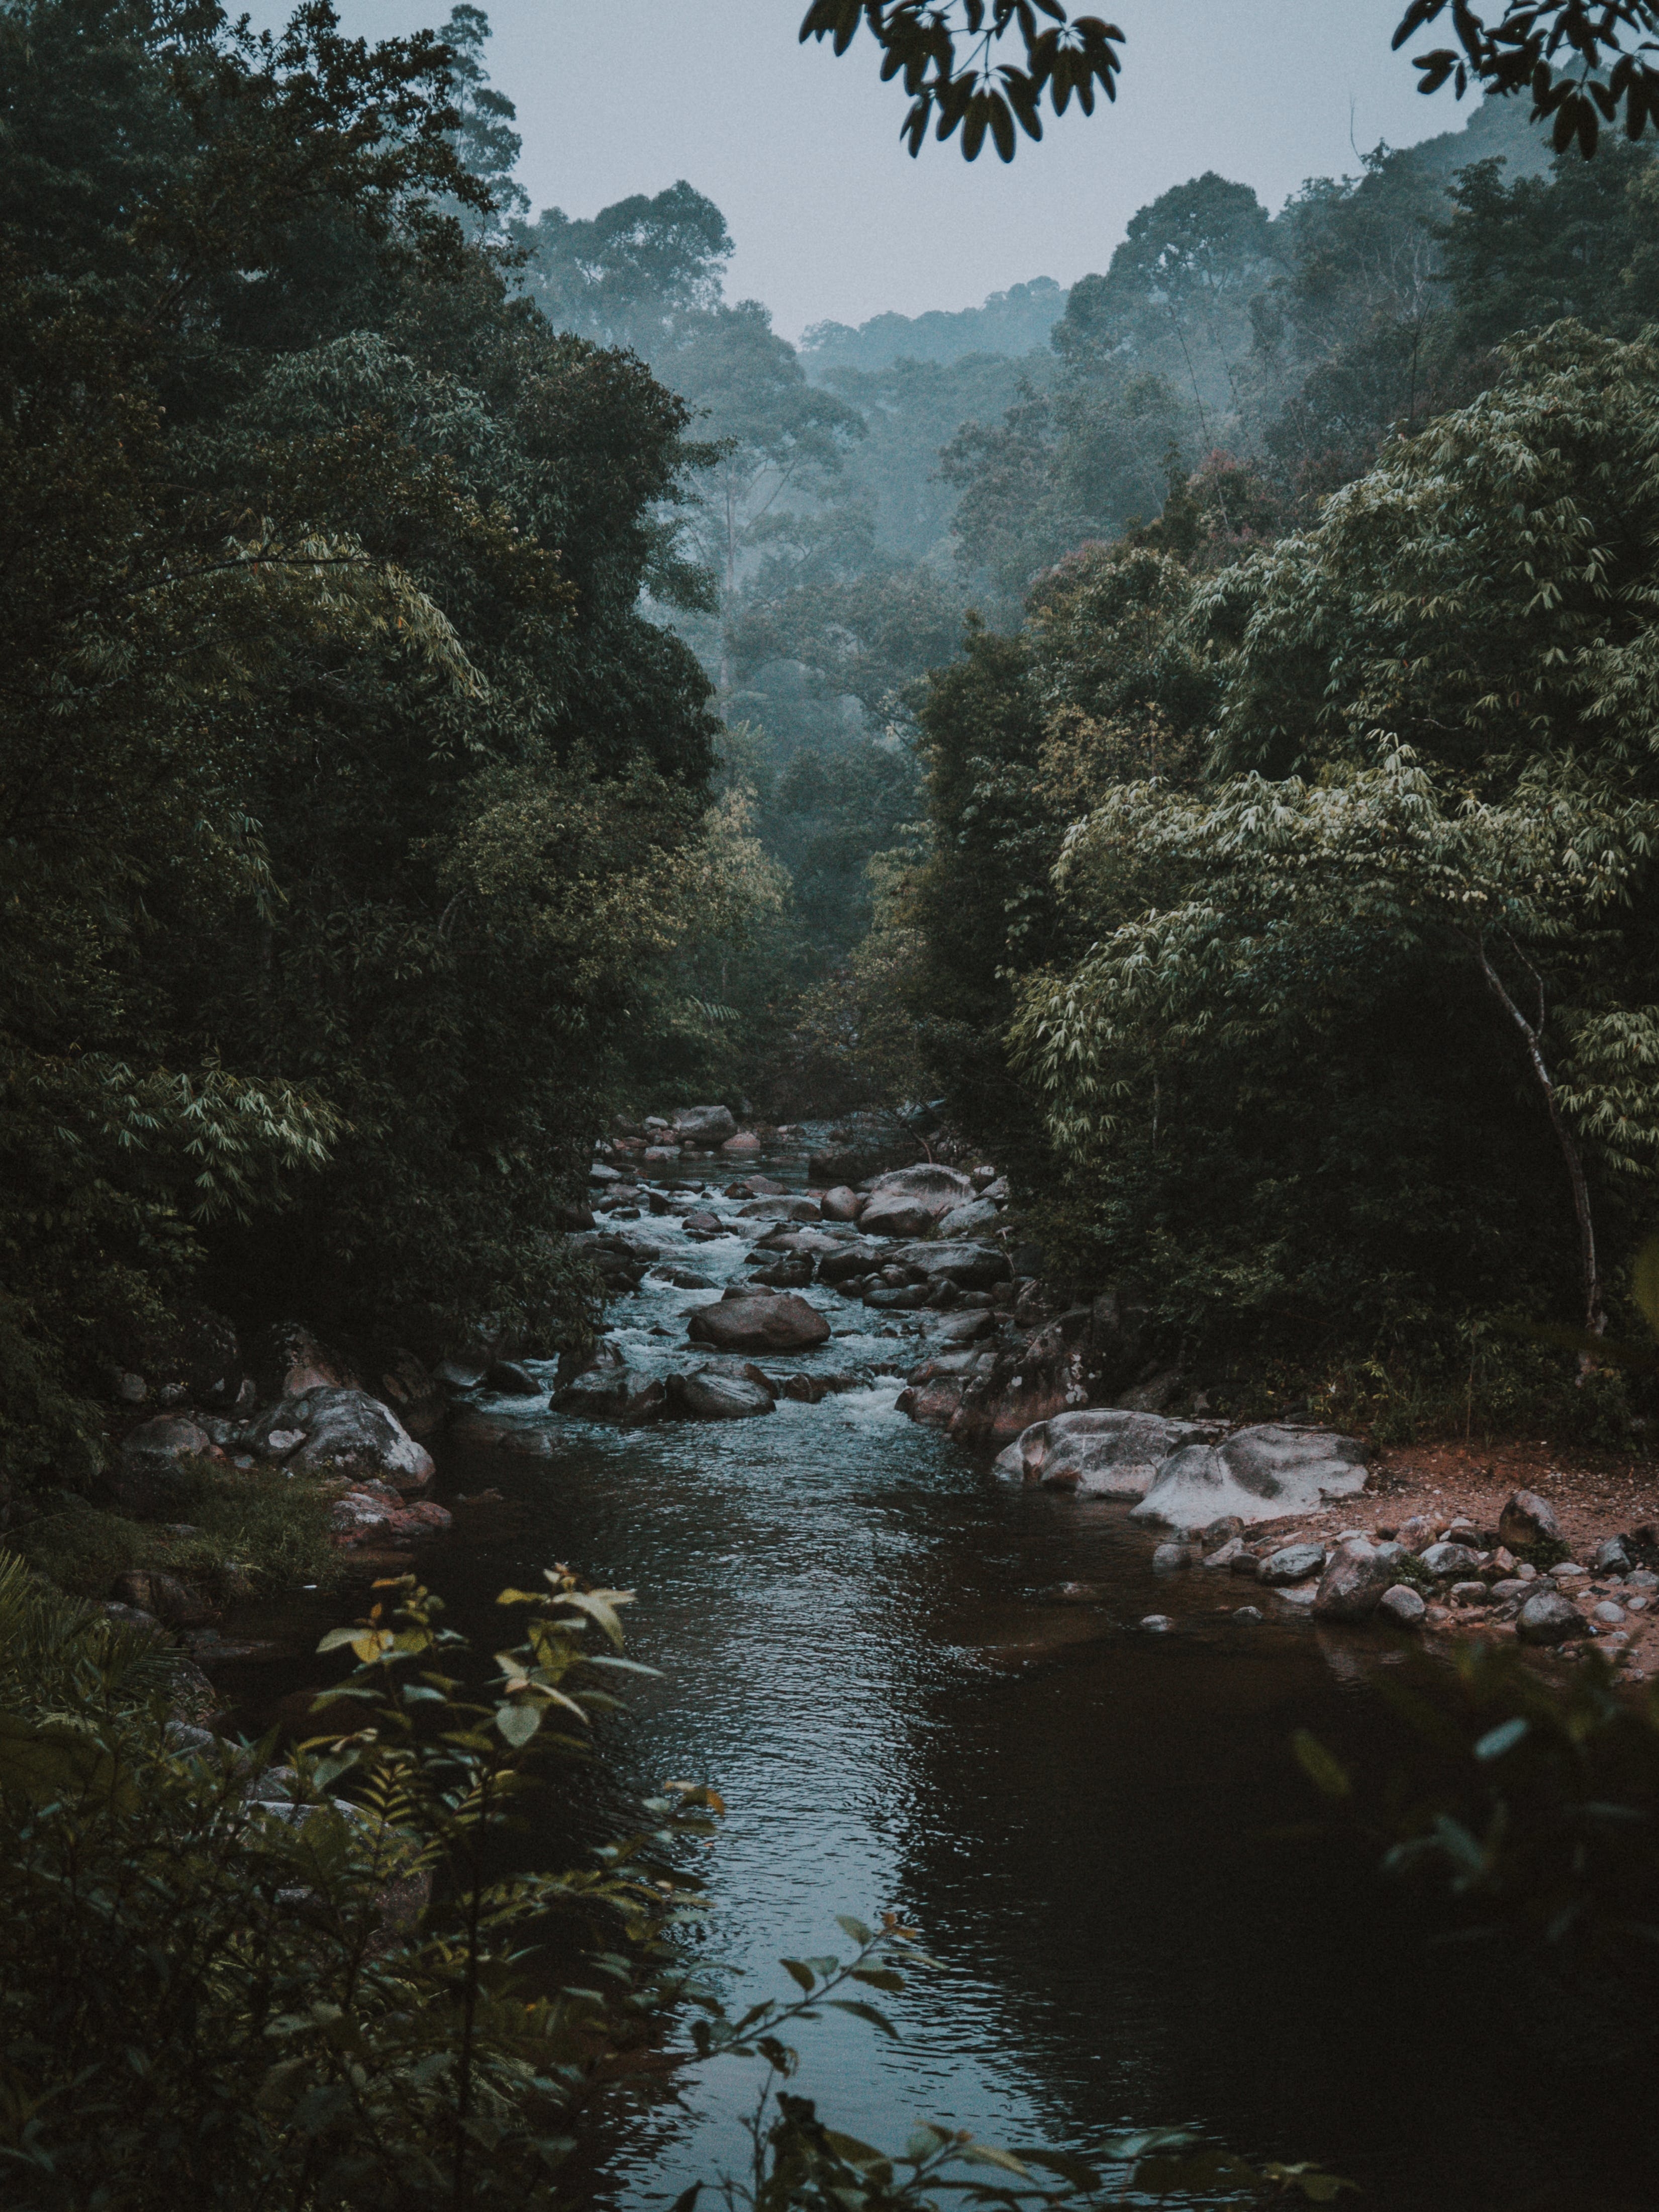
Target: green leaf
<point x="1325" y="1772"/>
<point x="856" y="1928"/>
<point x="1505" y="1737"/>
<point x="799" y="1972"/>
<point x="518" y="1722"/>
<point x="865" y="2012"/>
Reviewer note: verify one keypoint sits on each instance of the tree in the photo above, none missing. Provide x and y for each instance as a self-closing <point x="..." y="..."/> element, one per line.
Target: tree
<point x="634" y="273"/>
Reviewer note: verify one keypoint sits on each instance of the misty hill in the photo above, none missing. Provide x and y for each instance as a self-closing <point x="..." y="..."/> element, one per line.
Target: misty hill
<point x="1020" y="320"/>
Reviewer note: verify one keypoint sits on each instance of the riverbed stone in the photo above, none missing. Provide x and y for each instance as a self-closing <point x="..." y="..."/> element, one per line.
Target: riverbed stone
<point x="1169" y="1559"/>
<point x="1444" y="1560"/>
<point x="155" y="1469"/>
<point x="1355" y="1574"/>
<point x="775" y="1322"/>
<point x="1527" y="1519"/>
<point x="174" y="1598"/>
<point x="1469" y="1593"/>
<point x="1402" y="1606"/>
<point x="704" y="1125"/>
<point x="347" y="1432"/>
<point x="788" y="1270"/>
<point x="511" y="1380"/>
<point x="1157" y="1624"/>
<point x="842" y="1203"/>
<point x="1100" y="1451"/>
<point x="712" y="1394"/>
<point x="1612" y="1557"/>
<point x="974" y="1218"/>
<point x="970" y="1267"/>
<point x="1260" y="1474"/>
<point x="1247" y="1615"/>
<point x="779" y="1209"/>
<point x="1224" y="1558"/>
<point x="1608" y="1613"/>
<point x="1292" y="1563"/>
<point x="1548" y="1617"/>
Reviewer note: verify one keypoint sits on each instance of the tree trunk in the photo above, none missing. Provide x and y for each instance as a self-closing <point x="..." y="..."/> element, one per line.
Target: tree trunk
<point x="1595" y="1319"/>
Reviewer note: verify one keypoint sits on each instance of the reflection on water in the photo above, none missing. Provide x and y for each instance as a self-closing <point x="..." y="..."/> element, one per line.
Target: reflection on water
<point x="864" y="1645"/>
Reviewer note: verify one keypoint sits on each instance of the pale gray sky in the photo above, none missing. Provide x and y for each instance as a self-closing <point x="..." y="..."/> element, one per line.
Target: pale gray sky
<point x="833" y="220"/>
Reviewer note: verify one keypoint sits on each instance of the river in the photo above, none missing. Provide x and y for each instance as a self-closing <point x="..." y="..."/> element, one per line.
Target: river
<point x="867" y="1646"/>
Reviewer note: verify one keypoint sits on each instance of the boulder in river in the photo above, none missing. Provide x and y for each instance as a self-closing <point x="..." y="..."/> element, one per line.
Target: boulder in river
<point x="744" y="1141"/>
<point x="935" y="1399"/>
<point x="344" y="1432"/>
<point x="1102" y="1452"/>
<point x="704" y="1125"/>
<point x="909" y="1201"/>
<point x="1260" y="1474"/>
<point x="511" y="1380"/>
<point x="973" y="1220"/>
<point x="1527" y="1519"/>
<point x="775" y="1322"/>
<point x="842" y="1203"/>
<point x="612" y="1393"/>
<point x="788" y="1270"/>
<point x="715" y="1393"/>
<point x="970" y="1267"/>
<point x="1355" y="1574"/>
<point x="413" y="1392"/>
<point x="780" y="1209"/>
<point x="848" y="1263"/>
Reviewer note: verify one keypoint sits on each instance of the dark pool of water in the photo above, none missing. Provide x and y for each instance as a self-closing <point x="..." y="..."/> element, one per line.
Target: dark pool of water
<point x="862" y="1645"/>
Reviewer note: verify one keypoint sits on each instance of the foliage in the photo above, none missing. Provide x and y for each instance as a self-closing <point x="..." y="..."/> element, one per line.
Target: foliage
<point x="259" y="1529"/>
<point x="350" y="797"/>
<point x="295" y="1997"/>
<point x="1605" y="48"/>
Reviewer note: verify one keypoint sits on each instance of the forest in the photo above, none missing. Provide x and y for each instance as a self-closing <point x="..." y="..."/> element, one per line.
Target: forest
<point x="1178" y="751"/>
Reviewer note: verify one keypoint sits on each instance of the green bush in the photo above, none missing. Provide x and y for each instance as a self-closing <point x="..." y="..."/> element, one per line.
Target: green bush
<point x="260" y="1528"/>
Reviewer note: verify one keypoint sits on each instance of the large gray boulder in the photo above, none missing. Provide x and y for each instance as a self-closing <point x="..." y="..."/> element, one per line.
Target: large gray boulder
<point x="1258" y="1475"/>
<point x="973" y="1220"/>
<point x="970" y="1267"/>
<point x="908" y="1201"/>
<point x="155" y="1471"/>
<point x="1527" y="1519"/>
<point x="1104" y="1453"/>
<point x="772" y="1322"/>
<point x="715" y="1393"/>
<point x="1356" y="1576"/>
<point x="704" y="1125"/>
<point x="613" y="1394"/>
<point x="781" y="1209"/>
<point x="341" y="1432"/>
<point x="1549" y="1617"/>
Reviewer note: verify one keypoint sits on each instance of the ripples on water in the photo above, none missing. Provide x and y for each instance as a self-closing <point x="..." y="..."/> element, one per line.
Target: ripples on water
<point x="863" y="1648"/>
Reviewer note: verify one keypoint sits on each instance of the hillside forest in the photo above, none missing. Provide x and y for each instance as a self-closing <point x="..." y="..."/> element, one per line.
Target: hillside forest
<point x="468" y="677"/>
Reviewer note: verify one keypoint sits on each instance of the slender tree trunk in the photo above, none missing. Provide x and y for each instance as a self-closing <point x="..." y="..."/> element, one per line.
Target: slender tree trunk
<point x="1595" y="1319"/>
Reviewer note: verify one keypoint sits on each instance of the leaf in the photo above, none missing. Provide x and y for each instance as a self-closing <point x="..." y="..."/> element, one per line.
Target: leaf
<point x="865" y="2012"/>
<point x="856" y="1928"/>
<point x="1505" y="1737"/>
<point x="518" y="1722"/>
<point x="1325" y="1772"/>
<point x="336" y="1636"/>
<point x="801" y="1974"/>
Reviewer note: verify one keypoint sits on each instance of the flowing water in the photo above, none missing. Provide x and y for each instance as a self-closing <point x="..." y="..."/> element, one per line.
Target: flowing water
<point x="866" y="1644"/>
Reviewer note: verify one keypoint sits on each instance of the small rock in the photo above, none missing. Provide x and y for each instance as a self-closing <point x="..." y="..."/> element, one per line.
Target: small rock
<point x="131" y="1389"/>
<point x="1436" y="1616"/>
<point x="1355" y="1574"/>
<point x="1504" y="1560"/>
<point x="744" y="1141"/>
<point x="1469" y="1593"/>
<point x="1402" y="1605"/>
<point x="1547" y="1617"/>
<point x="1444" y="1561"/>
<point x="1224" y="1558"/>
<point x="1168" y="1557"/>
<point x="1417" y="1533"/>
<point x="1612" y="1558"/>
<point x="1510" y="1591"/>
<point x="1219" y="1531"/>
<point x="1643" y="1579"/>
<point x="512" y="1380"/>
<point x="1527" y="1519"/>
<point x="1157" y="1624"/>
<point x="1609" y="1614"/>
<point x="1293" y="1563"/>
<point x="1247" y="1613"/>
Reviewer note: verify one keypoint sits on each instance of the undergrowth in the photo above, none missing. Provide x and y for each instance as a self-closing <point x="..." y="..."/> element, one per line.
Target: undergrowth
<point x="262" y="1529"/>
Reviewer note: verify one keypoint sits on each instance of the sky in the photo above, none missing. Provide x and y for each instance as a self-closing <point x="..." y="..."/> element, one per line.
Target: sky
<point x="832" y="219"/>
